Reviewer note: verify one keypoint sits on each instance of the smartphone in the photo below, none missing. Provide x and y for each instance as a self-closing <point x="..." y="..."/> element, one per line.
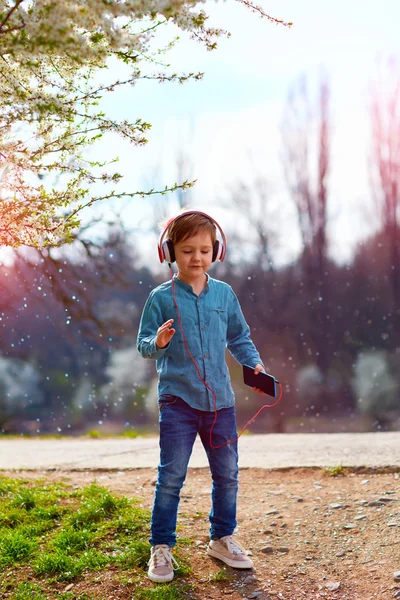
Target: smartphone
<point x="262" y="381"/>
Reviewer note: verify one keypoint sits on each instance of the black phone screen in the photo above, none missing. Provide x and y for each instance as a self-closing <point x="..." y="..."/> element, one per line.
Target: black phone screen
<point x="262" y="381"/>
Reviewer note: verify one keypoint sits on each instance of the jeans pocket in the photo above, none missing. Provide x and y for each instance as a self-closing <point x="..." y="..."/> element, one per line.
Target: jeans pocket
<point x="167" y="400"/>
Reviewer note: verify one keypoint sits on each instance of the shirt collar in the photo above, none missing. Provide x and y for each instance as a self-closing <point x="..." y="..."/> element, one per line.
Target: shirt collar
<point x="188" y="287"/>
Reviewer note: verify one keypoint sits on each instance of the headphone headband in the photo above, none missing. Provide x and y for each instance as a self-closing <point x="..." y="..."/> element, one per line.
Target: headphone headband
<point x="164" y="250"/>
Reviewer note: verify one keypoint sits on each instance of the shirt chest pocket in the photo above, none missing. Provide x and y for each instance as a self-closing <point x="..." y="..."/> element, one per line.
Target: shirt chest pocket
<point x="217" y="319"/>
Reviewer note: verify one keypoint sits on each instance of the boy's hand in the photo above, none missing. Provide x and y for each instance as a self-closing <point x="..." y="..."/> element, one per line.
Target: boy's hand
<point x="258" y="369"/>
<point x="164" y="334"/>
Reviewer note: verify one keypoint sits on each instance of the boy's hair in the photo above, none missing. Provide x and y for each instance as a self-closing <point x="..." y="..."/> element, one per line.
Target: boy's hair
<point x="189" y="225"/>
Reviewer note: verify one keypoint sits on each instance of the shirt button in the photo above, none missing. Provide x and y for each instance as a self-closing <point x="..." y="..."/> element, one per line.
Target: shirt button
<point x="203" y="327"/>
<point x="205" y="356"/>
<point x="198" y="299"/>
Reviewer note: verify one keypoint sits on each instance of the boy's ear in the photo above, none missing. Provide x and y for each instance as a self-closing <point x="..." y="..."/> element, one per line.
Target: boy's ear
<point x="168" y="251"/>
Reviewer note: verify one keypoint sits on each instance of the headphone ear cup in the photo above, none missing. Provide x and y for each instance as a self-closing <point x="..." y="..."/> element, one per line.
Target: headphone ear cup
<point x="217" y="250"/>
<point x="168" y="251"/>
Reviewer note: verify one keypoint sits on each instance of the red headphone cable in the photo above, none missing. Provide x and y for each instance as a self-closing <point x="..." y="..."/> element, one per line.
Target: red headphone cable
<point x="206" y="384"/>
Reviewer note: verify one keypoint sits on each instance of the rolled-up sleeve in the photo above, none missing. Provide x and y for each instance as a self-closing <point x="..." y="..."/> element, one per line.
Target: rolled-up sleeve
<point x="150" y="321"/>
<point x="238" y="335"/>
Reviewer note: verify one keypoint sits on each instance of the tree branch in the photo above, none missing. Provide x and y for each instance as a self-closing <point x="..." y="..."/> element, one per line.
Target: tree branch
<point x="8" y="17"/>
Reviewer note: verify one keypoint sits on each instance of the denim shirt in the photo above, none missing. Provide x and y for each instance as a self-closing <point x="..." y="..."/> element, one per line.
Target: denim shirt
<point x="211" y="322"/>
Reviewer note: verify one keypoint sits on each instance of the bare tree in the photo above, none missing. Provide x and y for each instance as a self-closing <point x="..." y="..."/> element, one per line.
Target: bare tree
<point x="306" y="160"/>
<point x="75" y="280"/>
<point x="385" y="164"/>
<point x="164" y="206"/>
<point x="252" y="203"/>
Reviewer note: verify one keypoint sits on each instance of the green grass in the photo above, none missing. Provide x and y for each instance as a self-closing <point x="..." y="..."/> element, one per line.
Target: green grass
<point x="220" y="575"/>
<point x="27" y="591"/>
<point x="169" y="591"/>
<point x="91" y="433"/>
<point x="126" y="433"/>
<point x="335" y="471"/>
<point x="50" y="534"/>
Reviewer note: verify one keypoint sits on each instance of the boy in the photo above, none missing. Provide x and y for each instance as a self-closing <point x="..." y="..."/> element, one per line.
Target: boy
<point x="194" y="385"/>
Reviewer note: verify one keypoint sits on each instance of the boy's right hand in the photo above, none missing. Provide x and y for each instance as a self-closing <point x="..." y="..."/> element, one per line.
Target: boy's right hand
<point x="164" y="334"/>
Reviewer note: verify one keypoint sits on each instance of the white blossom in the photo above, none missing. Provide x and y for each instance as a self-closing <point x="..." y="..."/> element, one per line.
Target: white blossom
<point x="51" y="52"/>
<point x="374" y="383"/>
<point x="19" y="385"/>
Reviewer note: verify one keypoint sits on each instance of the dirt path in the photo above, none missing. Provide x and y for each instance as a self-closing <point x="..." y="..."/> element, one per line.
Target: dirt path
<point x="311" y="535"/>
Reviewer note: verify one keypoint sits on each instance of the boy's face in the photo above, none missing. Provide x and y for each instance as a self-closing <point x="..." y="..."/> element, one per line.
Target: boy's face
<point x="194" y="256"/>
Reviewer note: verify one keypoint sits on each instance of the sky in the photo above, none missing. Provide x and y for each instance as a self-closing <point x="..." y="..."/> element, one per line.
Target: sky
<point x="228" y="124"/>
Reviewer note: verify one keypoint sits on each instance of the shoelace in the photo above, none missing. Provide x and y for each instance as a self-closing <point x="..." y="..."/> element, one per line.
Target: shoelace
<point x="163" y="557"/>
<point x="232" y="546"/>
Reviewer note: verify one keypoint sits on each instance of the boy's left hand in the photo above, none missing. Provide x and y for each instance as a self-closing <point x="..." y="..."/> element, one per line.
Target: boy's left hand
<point x="258" y="369"/>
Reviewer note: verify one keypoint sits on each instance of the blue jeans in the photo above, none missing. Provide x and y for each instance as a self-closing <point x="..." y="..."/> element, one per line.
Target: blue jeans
<point x="179" y="426"/>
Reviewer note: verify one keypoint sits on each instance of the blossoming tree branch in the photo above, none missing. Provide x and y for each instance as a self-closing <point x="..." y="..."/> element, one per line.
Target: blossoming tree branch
<point x="52" y="52"/>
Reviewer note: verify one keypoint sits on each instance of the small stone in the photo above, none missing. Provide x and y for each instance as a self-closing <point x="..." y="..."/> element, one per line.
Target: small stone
<point x="68" y="587"/>
<point x="392" y="524"/>
<point x="283" y="549"/>
<point x="267" y="549"/>
<point x="283" y="524"/>
<point x="376" y="503"/>
<point x="341" y="553"/>
<point x="364" y="481"/>
<point x="349" y="526"/>
<point x="338" y="505"/>
<point x="333" y="586"/>
<point x="396" y="575"/>
<point x="272" y="512"/>
<point x="268" y="532"/>
<point x="360" y="517"/>
<point x="397" y="594"/>
<point x="249" y="579"/>
<point x="386" y="499"/>
<point x="255" y="594"/>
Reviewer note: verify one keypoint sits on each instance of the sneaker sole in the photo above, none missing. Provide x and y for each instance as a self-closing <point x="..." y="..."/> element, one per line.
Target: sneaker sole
<point x="160" y="578"/>
<point x="231" y="563"/>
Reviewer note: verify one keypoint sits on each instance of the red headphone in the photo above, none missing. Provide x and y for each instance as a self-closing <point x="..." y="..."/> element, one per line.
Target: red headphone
<point x="166" y="252"/>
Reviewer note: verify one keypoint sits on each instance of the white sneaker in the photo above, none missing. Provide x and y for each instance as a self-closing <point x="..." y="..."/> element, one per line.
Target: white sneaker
<point x="161" y="564"/>
<point x="230" y="552"/>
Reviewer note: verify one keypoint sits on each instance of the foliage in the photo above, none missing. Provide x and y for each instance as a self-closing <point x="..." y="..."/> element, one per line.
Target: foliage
<point x="376" y="383"/>
<point x="85" y="374"/>
<point x="52" y="54"/>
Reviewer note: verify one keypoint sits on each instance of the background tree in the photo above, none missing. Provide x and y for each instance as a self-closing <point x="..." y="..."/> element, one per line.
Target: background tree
<point x="50" y="102"/>
<point x="385" y="168"/>
<point x="306" y="160"/>
<point x="377" y="384"/>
